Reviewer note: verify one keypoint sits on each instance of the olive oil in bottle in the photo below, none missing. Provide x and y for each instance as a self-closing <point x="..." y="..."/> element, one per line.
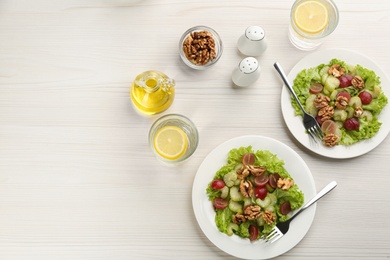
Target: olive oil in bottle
<point x="152" y="92"/>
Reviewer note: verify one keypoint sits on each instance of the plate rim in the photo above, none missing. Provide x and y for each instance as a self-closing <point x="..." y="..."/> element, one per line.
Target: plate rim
<point x="224" y="242"/>
<point x="292" y="121"/>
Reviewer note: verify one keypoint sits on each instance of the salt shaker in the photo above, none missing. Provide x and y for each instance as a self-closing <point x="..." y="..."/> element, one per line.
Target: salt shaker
<point x="247" y="72"/>
<point x="253" y="42"/>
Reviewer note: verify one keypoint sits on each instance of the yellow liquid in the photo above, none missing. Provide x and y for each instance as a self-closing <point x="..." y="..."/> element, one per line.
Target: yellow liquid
<point x="151" y="101"/>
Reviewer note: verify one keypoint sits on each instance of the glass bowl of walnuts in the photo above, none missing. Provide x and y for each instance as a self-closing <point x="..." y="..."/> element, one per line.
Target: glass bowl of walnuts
<point x="200" y="47"/>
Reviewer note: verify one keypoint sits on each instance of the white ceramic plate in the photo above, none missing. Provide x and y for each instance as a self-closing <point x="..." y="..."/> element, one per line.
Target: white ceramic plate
<point x="205" y="213"/>
<point x="295" y="125"/>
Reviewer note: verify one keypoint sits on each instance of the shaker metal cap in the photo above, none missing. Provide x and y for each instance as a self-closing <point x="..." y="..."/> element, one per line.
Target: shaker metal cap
<point x="248" y="65"/>
<point x="255" y="33"/>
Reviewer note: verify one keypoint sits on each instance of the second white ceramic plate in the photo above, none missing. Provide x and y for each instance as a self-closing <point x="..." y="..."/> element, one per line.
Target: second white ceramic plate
<point x="295" y="125"/>
<point x="205" y="214"/>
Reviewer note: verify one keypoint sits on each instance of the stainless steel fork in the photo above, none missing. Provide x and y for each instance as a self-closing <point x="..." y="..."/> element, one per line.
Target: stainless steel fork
<point x="309" y="122"/>
<point x="282" y="227"/>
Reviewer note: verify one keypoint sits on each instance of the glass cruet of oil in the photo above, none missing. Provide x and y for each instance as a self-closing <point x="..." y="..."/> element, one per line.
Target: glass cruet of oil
<point x="152" y="92"/>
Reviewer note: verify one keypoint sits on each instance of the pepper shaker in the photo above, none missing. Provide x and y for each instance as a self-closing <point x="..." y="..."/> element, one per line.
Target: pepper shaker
<point x="247" y="72"/>
<point x="253" y="42"/>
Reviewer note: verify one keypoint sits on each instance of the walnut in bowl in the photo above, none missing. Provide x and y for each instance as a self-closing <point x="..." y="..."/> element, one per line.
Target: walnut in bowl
<point x="200" y="47"/>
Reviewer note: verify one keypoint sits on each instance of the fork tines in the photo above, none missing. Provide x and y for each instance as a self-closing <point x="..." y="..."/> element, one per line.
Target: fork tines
<point x="315" y="132"/>
<point x="275" y="235"/>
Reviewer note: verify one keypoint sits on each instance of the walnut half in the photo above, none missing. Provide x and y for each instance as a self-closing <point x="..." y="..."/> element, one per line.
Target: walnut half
<point x="246" y="188"/>
<point x="268" y="217"/>
<point x="257" y="170"/>
<point x="358" y="112"/>
<point x="341" y="102"/>
<point x="330" y="140"/>
<point x="285" y="183"/>
<point x="242" y="172"/>
<point x="252" y="212"/>
<point x="238" y="219"/>
<point x="326" y="113"/>
<point x="321" y="101"/>
<point x="357" y="82"/>
<point x="336" y="70"/>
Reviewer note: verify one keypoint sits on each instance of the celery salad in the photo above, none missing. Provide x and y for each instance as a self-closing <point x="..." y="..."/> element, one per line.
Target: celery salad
<point x="252" y="193"/>
<point x="345" y="99"/>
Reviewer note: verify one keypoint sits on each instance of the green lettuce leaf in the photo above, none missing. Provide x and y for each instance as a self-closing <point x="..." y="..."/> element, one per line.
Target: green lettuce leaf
<point x="293" y="195"/>
<point x="223" y="218"/>
<point x="243" y="230"/>
<point x="235" y="155"/>
<point x="271" y="161"/>
<point x="377" y="104"/>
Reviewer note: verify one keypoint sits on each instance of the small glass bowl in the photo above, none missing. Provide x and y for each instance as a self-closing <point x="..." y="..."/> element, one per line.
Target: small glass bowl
<point x="218" y="47"/>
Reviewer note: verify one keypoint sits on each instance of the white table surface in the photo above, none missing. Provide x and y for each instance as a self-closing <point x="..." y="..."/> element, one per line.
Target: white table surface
<point x="77" y="178"/>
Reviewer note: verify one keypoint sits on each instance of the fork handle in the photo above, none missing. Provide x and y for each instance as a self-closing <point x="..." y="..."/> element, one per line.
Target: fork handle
<point x="287" y="83"/>
<point x="319" y="195"/>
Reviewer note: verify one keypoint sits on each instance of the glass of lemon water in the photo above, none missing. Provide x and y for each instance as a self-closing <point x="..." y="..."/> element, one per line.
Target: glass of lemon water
<point x="311" y="21"/>
<point x="173" y="138"/>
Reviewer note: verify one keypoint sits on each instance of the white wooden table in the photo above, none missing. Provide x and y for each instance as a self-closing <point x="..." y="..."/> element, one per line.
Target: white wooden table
<point x="77" y="178"/>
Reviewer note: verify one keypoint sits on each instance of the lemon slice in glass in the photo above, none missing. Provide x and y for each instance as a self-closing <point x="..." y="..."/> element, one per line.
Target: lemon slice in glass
<point x="170" y="142"/>
<point x="311" y="17"/>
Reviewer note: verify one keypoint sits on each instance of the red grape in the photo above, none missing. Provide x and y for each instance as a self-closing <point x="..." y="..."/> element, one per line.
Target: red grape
<point x="217" y="184"/>
<point x="319" y="119"/>
<point x="273" y="180"/>
<point x="248" y="158"/>
<point x="253" y="232"/>
<point x="352" y="124"/>
<point x="345" y="80"/>
<point x="261" y="180"/>
<point x="365" y="97"/>
<point x="316" y="88"/>
<point x="260" y="192"/>
<point x="285" y="208"/>
<point x="220" y="203"/>
<point x="328" y="127"/>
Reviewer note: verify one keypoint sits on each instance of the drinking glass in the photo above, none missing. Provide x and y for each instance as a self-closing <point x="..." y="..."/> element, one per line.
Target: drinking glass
<point x="176" y="121"/>
<point x="310" y="40"/>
